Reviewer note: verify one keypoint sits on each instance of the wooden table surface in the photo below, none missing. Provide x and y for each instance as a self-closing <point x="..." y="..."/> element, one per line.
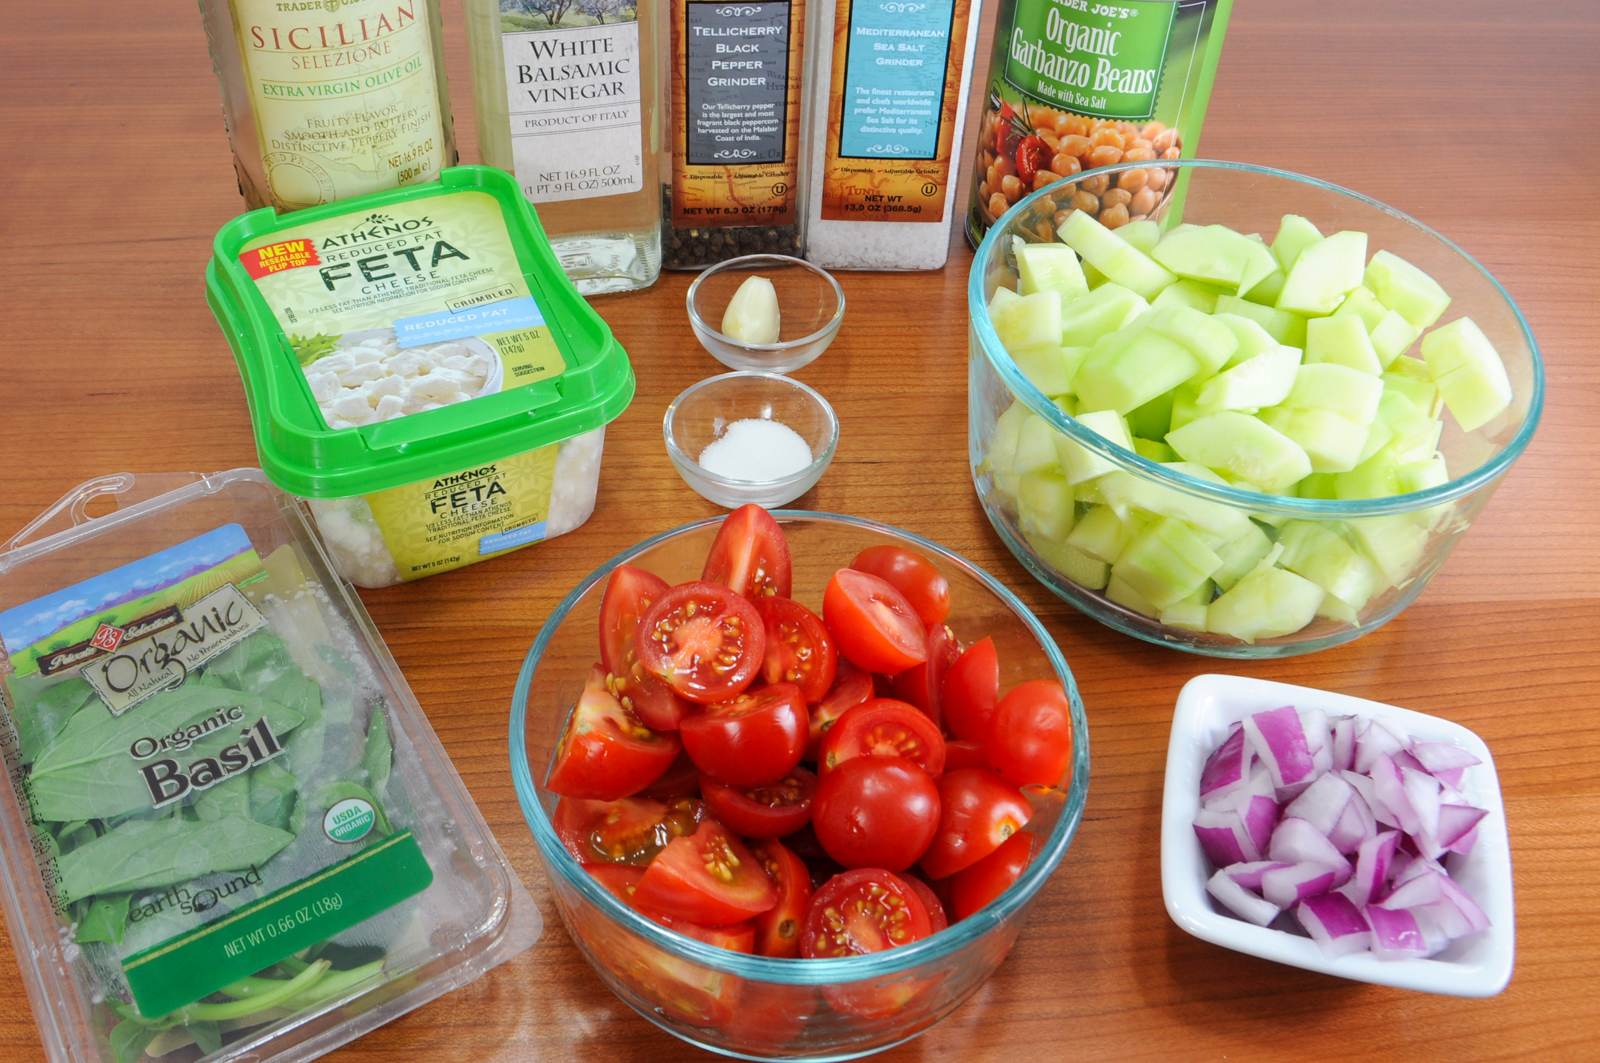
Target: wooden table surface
<point x="1478" y="118"/>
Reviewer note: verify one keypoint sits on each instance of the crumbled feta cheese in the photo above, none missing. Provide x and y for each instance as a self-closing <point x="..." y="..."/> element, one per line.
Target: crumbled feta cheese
<point x="371" y="367"/>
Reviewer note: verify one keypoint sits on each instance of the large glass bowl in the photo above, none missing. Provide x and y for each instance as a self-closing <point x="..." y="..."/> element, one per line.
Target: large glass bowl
<point x="750" y="1006"/>
<point x="1413" y="532"/>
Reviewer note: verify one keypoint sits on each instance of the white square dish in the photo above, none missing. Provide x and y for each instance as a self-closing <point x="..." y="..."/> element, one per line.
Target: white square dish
<point x="1477" y="966"/>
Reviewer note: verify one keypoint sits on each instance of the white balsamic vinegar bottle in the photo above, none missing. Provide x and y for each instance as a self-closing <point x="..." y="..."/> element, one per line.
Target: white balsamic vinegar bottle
<point x="568" y="96"/>
<point x="330" y="100"/>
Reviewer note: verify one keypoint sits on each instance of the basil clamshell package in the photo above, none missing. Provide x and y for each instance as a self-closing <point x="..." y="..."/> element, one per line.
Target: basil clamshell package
<point x="231" y="833"/>
<point x="1079" y="84"/>
<point x="421" y="371"/>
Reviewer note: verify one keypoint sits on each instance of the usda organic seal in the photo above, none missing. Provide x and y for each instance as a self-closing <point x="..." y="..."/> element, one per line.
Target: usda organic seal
<point x="350" y="820"/>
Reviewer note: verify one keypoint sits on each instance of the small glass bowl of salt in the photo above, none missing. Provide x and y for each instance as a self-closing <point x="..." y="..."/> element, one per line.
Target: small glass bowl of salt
<point x="803" y="308"/>
<point x="750" y="437"/>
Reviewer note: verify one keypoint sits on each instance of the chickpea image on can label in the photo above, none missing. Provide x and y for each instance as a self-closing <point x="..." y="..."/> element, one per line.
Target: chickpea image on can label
<point x="1022" y="151"/>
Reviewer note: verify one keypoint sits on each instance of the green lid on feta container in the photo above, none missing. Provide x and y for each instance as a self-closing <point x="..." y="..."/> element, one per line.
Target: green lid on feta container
<point x="408" y="334"/>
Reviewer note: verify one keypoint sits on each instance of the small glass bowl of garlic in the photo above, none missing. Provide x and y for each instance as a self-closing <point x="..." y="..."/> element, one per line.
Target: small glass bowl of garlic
<point x="766" y="312"/>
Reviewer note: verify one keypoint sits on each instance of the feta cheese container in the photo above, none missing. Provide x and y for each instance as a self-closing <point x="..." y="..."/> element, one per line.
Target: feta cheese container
<point x="420" y="370"/>
<point x="227" y="830"/>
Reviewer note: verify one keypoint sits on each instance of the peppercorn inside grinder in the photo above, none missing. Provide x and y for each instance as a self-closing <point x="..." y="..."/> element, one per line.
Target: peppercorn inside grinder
<point x="750" y="437"/>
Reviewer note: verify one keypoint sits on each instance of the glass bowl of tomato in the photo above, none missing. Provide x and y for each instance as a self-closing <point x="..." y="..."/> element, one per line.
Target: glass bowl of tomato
<point x="800" y="807"/>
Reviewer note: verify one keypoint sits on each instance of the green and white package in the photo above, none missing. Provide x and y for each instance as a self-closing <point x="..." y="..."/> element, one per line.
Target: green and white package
<point x="231" y="812"/>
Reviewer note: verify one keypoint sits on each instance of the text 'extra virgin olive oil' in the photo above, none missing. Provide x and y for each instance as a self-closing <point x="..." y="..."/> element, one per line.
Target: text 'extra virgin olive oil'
<point x="568" y="98"/>
<point x="329" y="100"/>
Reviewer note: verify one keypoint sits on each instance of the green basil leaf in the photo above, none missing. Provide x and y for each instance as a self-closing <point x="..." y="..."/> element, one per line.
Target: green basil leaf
<point x="274" y="792"/>
<point x="378" y="755"/>
<point x="207" y="1035"/>
<point x="147" y="854"/>
<point x="97" y="779"/>
<point x="42" y="709"/>
<point x="105" y="920"/>
<point x="129" y="1039"/>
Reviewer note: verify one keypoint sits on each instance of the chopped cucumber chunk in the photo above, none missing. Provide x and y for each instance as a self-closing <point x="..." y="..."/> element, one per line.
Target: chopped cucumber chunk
<point x="1102" y="535"/>
<point x="1321" y="555"/>
<point x="1045" y="506"/>
<point x="1240" y="445"/>
<point x="1036" y="446"/>
<point x="1072" y="563"/>
<point x="1023" y="321"/>
<point x="1188" y="293"/>
<point x="1050" y="267"/>
<point x="1078" y="462"/>
<point x="1210" y="341"/>
<point x="1331" y="441"/>
<point x="1266" y="603"/>
<point x="1469" y="373"/>
<point x="1262" y="380"/>
<point x="1394" y="543"/>
<point x="1154" y="451"/>
<point x="1324" y="273"/>
<point x="1130" y="367"/>
<point x="1113" y="256"/>
<point x="1143" y="234"/>
<point x="1215" y="255"/>
<point x="1339" y="388"/>
<point x="1103" y="311"/>
<point x="1049" y="368"/>
<point x="1153" y="419"/>
<point x="1341" y="341"/>
<point x="1281" y="325"/>
<point x="1166" y="562"/>
<point x="1404" y="288"/>
<point x="1241" y="554"/>
<point x="1119" y="592"/>
<point x="1295" y="234"/>
<point x="1125" y="493"/>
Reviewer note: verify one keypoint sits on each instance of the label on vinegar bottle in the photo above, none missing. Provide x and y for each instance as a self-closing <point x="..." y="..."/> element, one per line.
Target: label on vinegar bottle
<point x="345" y="95"/>
<point x="892" y="112"/>
<point x="736" y="101"/>
<point x="573" y="93"/>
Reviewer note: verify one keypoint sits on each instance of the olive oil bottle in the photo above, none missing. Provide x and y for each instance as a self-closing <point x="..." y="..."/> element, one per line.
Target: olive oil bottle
<point x="327" y="100"/>
<point x="568" y="95"/>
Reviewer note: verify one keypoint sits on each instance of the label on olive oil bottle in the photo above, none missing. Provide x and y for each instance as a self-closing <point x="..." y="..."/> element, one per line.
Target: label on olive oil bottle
<point x="892" y="112"/>
<point x="573" y="93"/>
<point x="200" y="807"/>
<point x="736" y="71"/>
<point x="345" y="95"/>
<point x="1078" y="84"/>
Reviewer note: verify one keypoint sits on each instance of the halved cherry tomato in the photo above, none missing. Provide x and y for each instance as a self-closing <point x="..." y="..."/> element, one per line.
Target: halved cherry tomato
<point x="883" y="727"/>
<point x="930" y="900"/>
<point x="971" y="688"/>
<point x="778" y="928"/>
<point x="873" y="625"/>
<point x="799" y="648"/>
<point x="750" y="556"/>
<point x="913" y="576"/>
<point x="629" y="592"/>
<point x="680" y="989"/>
<point x="680" y="780"/>
<point x="959" y="753"/>
<point x="708" y="878"/>
<point x="978" y="812"/>
<point x="618" y="879"/>
<point x="985" y="880"/>
<point x="605" y="752"/>
<point x="624" y="881"/>
<point x="753" y="739"/>
<point x="769" y="810"/>
<point x="922" y="684"/>
<point x="863" y="911"/>
<point x="703" y="641"/>
<point x="850" y="688"/>
<point x="1030" y="740"/>
<point x="630" y="831"/>
<point x="876" y="812"/>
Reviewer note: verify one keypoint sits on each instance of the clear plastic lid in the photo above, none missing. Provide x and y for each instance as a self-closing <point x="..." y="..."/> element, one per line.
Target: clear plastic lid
<point x="229" y="831"/>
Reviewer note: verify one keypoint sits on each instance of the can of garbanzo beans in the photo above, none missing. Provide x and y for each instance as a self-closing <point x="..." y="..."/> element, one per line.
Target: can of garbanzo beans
<point x="1079" y="84"/>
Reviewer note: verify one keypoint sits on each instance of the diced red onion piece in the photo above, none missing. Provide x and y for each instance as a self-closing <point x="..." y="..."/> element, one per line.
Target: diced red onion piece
<point x="1422" y="793"/>
<point x="1260" y="818"/>
<point x="1356" y="824"/>
<point x="1451" y="777"/>
<point x="1388" y="788"/>
<point x="1362" y="784"/>
<point x="1289" y="885"/>
<point x="1462" y="901"/>
<point x="1418" y="891"/>
<point x="1240" y="901"/>
<point x="1464" y="844"/>
<point x="1442" y="756"/>
<point x="1279" y="740"/>
<point x="1322" y="803"/>
<point x="1223" y="836"/>
<point x="1395" y="934"/>
<point x="1344" y="743"/>
<point x="1249" y="874"/>
<point x="1456" y="821"/>
<point x="1296" y="841"/>
<point x="1373" y="861"/>
<point x="1335" y="924"/>
<point x="1373" y="741"/>
<point x="1226" y="769"/>
<point x="1314" y="722"/>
